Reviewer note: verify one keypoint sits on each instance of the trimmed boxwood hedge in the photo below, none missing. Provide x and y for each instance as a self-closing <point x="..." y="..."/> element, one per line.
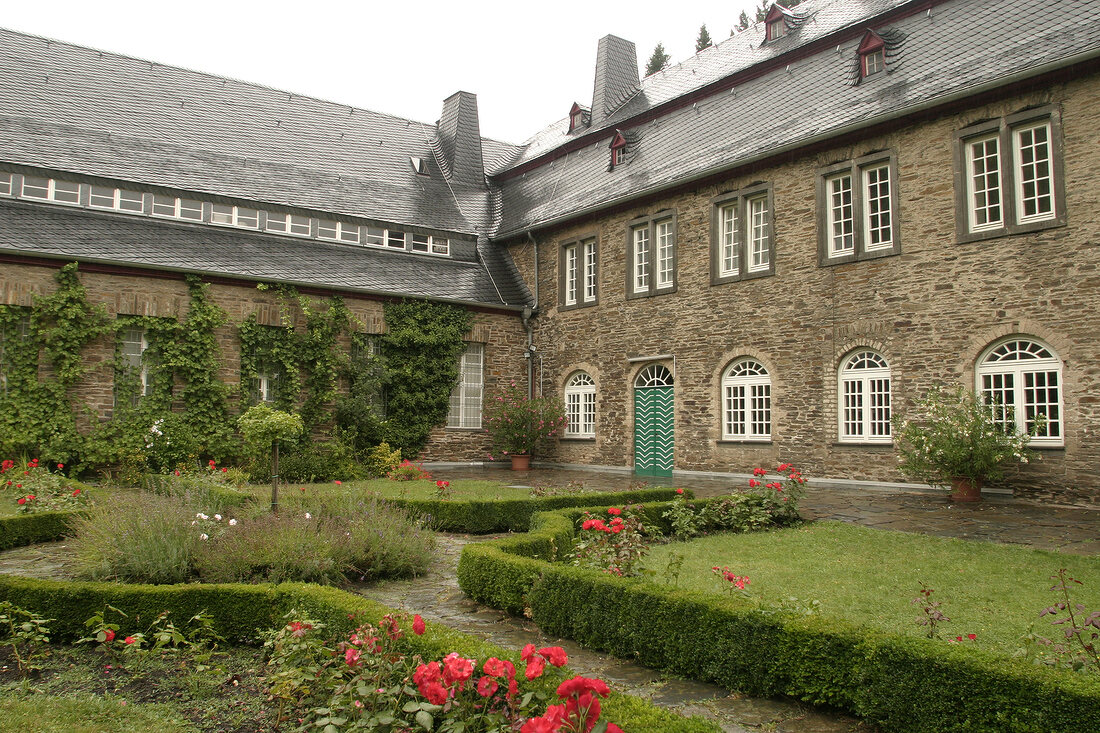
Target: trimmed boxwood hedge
<point x="239" y="611"/>
<point x="487" y="516"/>
<point x="27" y="529"/>
<point x="902" y="683"/>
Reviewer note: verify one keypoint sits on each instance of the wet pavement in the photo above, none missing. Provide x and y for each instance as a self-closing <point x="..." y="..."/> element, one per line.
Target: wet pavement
<point x="436" y="596"/>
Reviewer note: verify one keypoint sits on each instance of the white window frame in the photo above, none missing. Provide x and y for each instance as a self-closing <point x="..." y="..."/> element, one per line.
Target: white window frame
<point x="652" y="248"/>
<point x="879" y="56"/>
<point x="237" y="216"/>
<point x="341" y="231"/>
<point x="569" y="254"/>
<point x="293" y="225"/>
<point x="777" y="29"/>
<point x="1008" y="176"/>
<point x="1008" y="366"/>
<point x="6" y="183"/>
<point x="590" y="269"/>
<point x="132" y="335"/>
<point x="51" y="190"/>
<point x="580" y="406"/>
<point x="874" y="410"/>
<point x="263" y="387"/>
<point x="742" y="234"/>
<point x="746" y="402"/>
<point x="468" y="395"/>
<point x="178" y="207"/>
<point x="121" y="199"/>
<point x="857" y="204"/>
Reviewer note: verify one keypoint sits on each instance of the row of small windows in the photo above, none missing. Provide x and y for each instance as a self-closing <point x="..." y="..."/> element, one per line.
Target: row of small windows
<point x="1009" y="182"/>
<point x="1020" y="379"/>
<point x="244" y="217"/>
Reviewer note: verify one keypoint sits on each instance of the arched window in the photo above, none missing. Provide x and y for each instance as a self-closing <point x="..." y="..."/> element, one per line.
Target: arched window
<point x="746" y="401"/>
<point x="580" y="406"/>
<point x="864" y="398"/>
<point x="1022" y="378"/>
<point x="653" y="375"/>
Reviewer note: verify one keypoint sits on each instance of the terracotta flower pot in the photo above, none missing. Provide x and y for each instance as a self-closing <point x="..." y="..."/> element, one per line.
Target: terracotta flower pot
<point x="521" y="463"/>
<point x="964" y="488"/>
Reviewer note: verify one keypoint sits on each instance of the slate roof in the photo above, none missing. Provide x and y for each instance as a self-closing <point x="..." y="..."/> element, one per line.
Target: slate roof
<point x="77" y="109"/>
<point x="62" y="233"/>
<point x="957" y="49"/>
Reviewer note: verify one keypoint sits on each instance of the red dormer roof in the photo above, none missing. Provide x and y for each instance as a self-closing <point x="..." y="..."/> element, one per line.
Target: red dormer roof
<point x="871" y="42"/>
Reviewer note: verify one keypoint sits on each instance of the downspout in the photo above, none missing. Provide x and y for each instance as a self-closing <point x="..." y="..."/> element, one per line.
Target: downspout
<point x="528" y="314"/>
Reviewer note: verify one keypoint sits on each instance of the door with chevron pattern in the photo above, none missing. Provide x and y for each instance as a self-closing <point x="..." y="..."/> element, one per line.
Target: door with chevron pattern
<point x="653" y="422"/>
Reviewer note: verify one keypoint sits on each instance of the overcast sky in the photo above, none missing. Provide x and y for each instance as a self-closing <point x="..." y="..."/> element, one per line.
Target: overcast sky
<point x="526" y="62"/>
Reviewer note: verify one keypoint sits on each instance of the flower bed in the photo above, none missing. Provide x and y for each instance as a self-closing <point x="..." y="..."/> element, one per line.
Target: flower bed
<point x="238" y="611"/>
<point x="905" y="684"/>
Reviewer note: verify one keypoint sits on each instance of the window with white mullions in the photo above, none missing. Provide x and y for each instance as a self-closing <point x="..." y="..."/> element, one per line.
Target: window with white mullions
<point x="288" y="224"/>
<point x="729" y="236"/>
<point x="1034" y="180"/>
<point x="571" y="274"/>
<point x="759" y="241"/>
<point x="133" y="342"/>
<point x="1021" y="380"/>
<point x="665" y="254"/>
<point x="5" y="184"/>
<point x="466" y="397"/>
<point x="841" y="219"/>
<point x="580" y="406"/>
<point x="641" y="259"/>
<point x="590" y="277"/>
<point x="747" y="406"/>
<point x="864" y="398"/>
<point x="984" y="177"/>
<point x="50" y="189"/>
<point x="876" y="207"/>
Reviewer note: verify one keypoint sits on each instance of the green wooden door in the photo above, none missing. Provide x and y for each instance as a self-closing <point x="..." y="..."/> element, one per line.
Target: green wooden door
<point x="653" y="423"/>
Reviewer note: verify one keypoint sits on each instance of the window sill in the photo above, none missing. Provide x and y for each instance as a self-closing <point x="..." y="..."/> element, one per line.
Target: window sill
<point x="1012" y="230"/>
<point x="1053" y="448"/>
<point x="744" y="441"/>
<point x="577" y="439"/>
<point x="852" y="444"/>
<point x="464" y="430"/>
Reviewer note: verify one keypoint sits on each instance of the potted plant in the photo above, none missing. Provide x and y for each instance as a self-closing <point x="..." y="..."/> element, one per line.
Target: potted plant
<point x="516" y="423"/>
<point x="959" y="444"/>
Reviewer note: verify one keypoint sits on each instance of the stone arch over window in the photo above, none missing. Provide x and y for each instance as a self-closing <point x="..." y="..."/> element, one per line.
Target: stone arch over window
<point x="1021" y="378"/>
<point x="746" y="401"/>
<point x="580" y="406"/>
<point x="864" y="399"/>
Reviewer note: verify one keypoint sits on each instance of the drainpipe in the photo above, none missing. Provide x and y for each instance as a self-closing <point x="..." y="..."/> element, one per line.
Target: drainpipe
<point x="528" y="314"/>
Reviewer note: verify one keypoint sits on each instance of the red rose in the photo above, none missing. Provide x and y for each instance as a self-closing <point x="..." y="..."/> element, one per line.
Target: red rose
<point x="108" y="635"/>
<point x="76" y="492"/>
<point x="535" y="667"/>
<point x="679" y="491"/>
<point x="486" y="686"/>
<point x="972" y="637"/>
<point x="613" y="511"/>
<point x="60" y="466"/>
<point x="555" y="655"/>
<point x="129" y="640"/>
<point x="21" y="502"/>
<point x="418" y="625"/>
<point x="338" y="483"/>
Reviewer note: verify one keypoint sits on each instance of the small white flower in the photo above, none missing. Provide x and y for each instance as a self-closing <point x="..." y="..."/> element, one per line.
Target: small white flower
<point x="232" y="522"/>
<point x="217" y="517"/>
<point x="200" y="515"/>
<point x="309" y="516"/>
<point x="194" y="522"/>
<point x="204" y="536"/>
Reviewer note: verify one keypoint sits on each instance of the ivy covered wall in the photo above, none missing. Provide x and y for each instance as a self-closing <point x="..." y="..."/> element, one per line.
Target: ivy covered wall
<point x="205" y="345"/>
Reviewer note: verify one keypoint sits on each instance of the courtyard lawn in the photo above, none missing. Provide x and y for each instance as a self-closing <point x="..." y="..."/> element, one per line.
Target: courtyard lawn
<point x="870" y="577"/>
<point x="462" y="489"/>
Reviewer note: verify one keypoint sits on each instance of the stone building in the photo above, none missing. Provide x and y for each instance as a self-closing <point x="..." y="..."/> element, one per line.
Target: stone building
<point x="761" y="254"/>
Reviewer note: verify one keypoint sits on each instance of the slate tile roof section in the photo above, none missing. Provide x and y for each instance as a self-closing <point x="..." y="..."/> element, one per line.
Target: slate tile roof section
<point x="959" y="47"/>
<point x="74" y="234"/>
<point x="70" y="108"/>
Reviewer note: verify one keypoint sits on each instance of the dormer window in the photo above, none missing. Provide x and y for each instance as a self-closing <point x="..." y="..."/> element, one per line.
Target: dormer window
<point x="618" y="149"/>
<point x="576" y="117"/>
<point x="420" y="165"/>
<point x="776" y="23"/>
<point x="872" y="55"/>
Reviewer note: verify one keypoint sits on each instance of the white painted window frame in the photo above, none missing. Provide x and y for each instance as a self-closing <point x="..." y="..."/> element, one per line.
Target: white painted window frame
<point x="749" y="381"/>
<point x="1019" y="370"/>
<point x="865" y="379"/>
<point x="468" y="395"/>
<point x="580" y="406"/>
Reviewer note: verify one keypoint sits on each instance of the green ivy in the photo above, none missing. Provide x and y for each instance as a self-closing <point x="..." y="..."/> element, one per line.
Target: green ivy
<point x="421" y="348"/>
<point x="195" y="360"/>
<point x="270" y="350"/>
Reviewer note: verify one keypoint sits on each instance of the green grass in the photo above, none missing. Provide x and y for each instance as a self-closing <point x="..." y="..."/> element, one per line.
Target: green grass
<point x="42" y="714"/>
<point x="870" y="576"/>
<point x="293" y="494"/>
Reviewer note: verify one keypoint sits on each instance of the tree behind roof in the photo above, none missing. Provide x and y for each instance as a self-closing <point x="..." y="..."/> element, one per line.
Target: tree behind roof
<point x="704" y="40"/>
<point x="657" y="61"/>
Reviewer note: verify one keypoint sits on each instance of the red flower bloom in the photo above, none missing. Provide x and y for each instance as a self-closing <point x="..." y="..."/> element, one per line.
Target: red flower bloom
<point x="129" y="640"/>
<point x="418" y="625"/>
<point x="212" y="463"/>
<point x="535" y="667"/>
<point x="759" y="472"/>
<point x="109" y="635"/>
<point x="6" y="465"/>
<point x="76" y="492"/>
<point x="555" y="655"/>
<point x="61" y="467"/>
<point x="972" y="637"/>
<point x="613" y="511"/>
<point x="679" y="491"/>
<point x="21" y="501"/>
<point x="30" y="497"/>
<point x="338" y="483"/>
<point x="753" y="483"/>
<point x="527" y="653"/>
<point x="579" y="685"/>
<point x="351" y="656"/>
<point x="486" y="686"/>
<point x="225" y="470"/>
<point x="783" y="467"/>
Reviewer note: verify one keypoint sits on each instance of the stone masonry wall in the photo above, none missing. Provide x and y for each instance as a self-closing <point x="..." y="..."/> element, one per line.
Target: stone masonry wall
<point x="502" y="334"/>
<point x="930" y="311"/>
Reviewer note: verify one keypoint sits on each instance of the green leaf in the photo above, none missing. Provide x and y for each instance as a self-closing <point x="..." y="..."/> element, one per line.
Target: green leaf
<point x="424" y="718"/>
<point x="411" y="707"/>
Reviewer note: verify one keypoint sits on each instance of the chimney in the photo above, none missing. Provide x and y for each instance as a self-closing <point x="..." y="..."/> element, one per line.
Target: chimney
<point x="459" y="139"/>
<point x="616" y="77"/>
